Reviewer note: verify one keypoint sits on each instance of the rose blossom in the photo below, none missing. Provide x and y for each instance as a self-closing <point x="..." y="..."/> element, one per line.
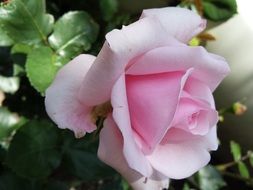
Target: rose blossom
<point x="163" y="119"/>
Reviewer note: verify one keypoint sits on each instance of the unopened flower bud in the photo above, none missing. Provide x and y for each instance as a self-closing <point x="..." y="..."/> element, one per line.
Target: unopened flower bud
<point x="239" y="108"/>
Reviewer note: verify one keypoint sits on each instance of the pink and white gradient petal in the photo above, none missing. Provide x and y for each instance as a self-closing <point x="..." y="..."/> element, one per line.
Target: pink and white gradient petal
<point x="187" y="25"/>
<point x="62" y="102"/>
<point x="132" y="152"/>
<point x="181" y="154"/>
<point x="167" y="59"/>
<point x="117" y="54"/>
<point x="110" y="152"/>
<point x="152" y="101"/>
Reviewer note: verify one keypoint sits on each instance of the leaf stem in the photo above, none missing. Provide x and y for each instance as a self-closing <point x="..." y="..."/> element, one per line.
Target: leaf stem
<point x="223" y="167"/>
<point x="248" y="181"/>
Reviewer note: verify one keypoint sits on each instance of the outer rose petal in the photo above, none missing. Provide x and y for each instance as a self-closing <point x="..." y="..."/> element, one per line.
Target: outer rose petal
<point x="120" y="48"/>
<point x="208" y="68"/>
<point x="181" y="154"/>
<point x="133" y="154"/>
<point x="181" y="23"/>
<point x="110" y="152"/>
<point x="62" y="103"/>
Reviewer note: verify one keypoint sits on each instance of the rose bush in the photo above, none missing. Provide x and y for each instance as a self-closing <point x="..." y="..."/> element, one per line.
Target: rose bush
<point x="163" y="119"/>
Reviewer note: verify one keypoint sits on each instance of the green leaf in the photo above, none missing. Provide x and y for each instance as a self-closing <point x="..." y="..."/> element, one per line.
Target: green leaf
<point x="80" y="158"/>
<point x="25" y="21"/>
<point x="9" y="84"/>
<point x="186" y="187"/>
<point x="10" y="181"/>
<point x="19" y="55"/>
<point x="73" y="33"/>
<point x="218" y="10"/>
<point x="2" y="154"/>
<point x="8" y="123"/>
<point x="41" y="68"/>
<point x="210" y="179"/>
<point x="21" y="48"/>
<point x="235" y="150"/>
<point x="34" y="151"/>
<point x="125" y="184"/>
<point x="5" y="40"/>
<point x="56" y="185"/>
<point x="251" y="158"/>
<point x="244" y="172"/>
<point x="108" y="8"/>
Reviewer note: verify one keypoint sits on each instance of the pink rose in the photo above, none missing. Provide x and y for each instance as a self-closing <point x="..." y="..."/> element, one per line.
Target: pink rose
<point x="163" y="119"/>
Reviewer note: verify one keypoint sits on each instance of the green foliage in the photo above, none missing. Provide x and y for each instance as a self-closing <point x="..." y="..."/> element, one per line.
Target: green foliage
<point x="81" y="160"/>
<point x="56" y="185"/>
<point x="41" y="67"/>
<point x="219" y="10"/>
<point x="186" y="187"/>
<point x="251" y="158"/>
<point x="244" y="172"/>
<point x="8" y="123"/>
<point x="10" y="181"/>
<point x="235" y="150"/>
<point x="9" y="84"/>
<point x="73" y="33"/>
<point x="2" y="153"/>
<point x="29" y="26"/>
<point x="108" y="8"/>
<point x="5" y="40"/>
<point x="34" y="151"/>
<point x="25" y="21"/>
<point x="34" y="154"/>
<point x="210" y="179"/>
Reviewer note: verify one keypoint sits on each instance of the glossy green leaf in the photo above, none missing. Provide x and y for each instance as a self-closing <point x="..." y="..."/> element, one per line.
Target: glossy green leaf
<point x="34" y="151"/>
<point x="210" y="179"/>
<point x="41" y="68"/>
<point x="9" y="84"/>
<point x="235" y="150"/>
<point x="80" y="158"/>
<point x="26" y="21"/>
<point x="8" y="122"/>
<point x="219" y="10"/>
<point x="73" y="33"/>
<point x="108" y="8"/>
<point x="244" y="172"/>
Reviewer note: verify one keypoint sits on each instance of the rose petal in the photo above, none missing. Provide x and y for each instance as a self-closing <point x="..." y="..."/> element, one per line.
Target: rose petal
<point x="207" y="68"/>
<point x="152" y="101"/>
<point x="62" y="103"/>
<point x="181" y="23"/>
<point x="110" y="152"/>
<point x="180" y="154"/>
<point x="195" y="116"/>
<point x="120" y="48"/>
<point x="177" y="136"/>
<point x="134" y="156"/>
<point x="199" y="90"/>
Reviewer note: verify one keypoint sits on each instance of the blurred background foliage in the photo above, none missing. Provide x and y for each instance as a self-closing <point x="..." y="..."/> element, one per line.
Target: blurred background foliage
<point x="37" y="38"/>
